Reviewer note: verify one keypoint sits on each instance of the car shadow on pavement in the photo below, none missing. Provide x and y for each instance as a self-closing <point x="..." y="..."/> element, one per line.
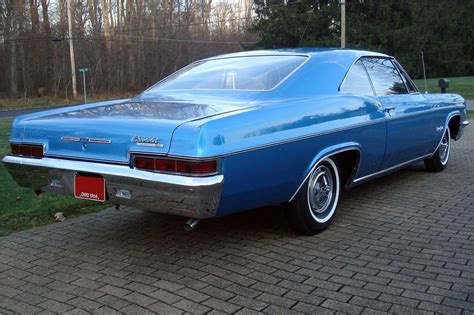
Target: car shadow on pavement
<point x="272" y="219"/>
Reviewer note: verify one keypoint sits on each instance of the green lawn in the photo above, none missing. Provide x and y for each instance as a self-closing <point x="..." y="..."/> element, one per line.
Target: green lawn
<point x="20" y="208"/>
<point x="49" y="101"/>
<point x="458" y="85"/>
<point x="33" y="102"/>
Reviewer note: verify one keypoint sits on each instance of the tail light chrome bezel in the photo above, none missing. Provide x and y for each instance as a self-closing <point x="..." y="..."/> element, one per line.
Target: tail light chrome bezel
<point x="176" y="166"/>
<point x="27" y="149"/>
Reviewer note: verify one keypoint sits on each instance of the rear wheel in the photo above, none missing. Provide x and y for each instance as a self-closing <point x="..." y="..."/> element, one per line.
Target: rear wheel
<point x="438" y="161"/>
<point x="314" y="206"/>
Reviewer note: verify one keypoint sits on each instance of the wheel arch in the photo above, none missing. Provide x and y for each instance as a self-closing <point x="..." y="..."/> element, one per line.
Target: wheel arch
<point x="348" y="157"/>
<point x="454" y="125"/>
<point x="450" y="124"/>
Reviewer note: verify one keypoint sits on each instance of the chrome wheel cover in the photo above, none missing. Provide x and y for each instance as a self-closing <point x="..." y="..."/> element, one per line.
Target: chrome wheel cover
<point x="444" y="147"/>
<point x="323" y="191"/>
<point x="320" y="189"/>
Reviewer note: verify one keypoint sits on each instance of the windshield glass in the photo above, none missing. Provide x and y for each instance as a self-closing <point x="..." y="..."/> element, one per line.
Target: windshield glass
<point x="258" y="73"/>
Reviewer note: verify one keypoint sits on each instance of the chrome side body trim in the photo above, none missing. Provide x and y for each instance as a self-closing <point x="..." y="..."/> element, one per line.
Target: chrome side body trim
<point x="373" y="122"/>
<point x="194" y="197"/>
<point x="393" y="168"/>
<point x="351" y="148"/>
<point x="368" y="123"/>
<point x="390" y="169"/>
<point x="436" y="109"/>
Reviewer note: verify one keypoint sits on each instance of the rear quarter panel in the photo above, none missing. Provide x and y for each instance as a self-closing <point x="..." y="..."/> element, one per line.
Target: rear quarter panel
<point x="268" y="150"/>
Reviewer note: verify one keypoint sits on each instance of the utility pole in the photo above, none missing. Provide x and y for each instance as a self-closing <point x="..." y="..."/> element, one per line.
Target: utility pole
<point x="343" y="23"/>
<point x="71" y="48"/>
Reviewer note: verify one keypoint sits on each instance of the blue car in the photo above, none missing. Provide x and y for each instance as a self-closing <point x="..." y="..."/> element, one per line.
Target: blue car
<point x="241" y="131"/>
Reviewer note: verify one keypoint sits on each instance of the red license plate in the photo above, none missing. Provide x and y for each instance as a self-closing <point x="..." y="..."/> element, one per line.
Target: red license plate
<point x="89" y="187"/>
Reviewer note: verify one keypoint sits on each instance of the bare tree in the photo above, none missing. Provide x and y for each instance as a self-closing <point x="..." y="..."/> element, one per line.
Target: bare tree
<point x="127" y="44"/>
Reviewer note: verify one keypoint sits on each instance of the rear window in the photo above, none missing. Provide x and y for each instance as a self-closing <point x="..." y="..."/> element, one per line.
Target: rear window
<point x="258" y="73"/>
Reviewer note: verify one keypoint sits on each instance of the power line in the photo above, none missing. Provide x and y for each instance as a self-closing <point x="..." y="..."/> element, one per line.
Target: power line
<point x="195" y="41"/>
<point x="161" y="27"/>
<point x="182" y="25"/>
<point x="307" y="23"/>
<point x="134" y="30"/>
<point x="178" y="40"/>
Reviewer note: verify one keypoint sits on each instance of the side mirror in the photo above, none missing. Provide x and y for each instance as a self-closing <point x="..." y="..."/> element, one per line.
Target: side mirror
<point x="443" y="84"/>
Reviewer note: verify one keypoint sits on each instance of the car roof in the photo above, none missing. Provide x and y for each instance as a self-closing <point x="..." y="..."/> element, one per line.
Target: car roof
<point x="328" y="66"/>
<point x="351" y="54"/>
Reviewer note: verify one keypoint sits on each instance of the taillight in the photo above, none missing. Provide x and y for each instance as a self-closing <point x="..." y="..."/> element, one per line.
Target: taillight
<point x="37" y="151"/>
<point x="186" y="167"/>
<point x="15" y="148"/>
<point x="195" y="167"/>
<point x="27" y="150"/>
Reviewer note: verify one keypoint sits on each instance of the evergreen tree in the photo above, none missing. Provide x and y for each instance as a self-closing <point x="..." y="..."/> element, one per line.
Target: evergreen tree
<point x="442" y="29"/>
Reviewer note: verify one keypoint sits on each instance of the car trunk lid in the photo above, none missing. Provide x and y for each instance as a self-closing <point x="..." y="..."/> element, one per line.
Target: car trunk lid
<point x="109" y="133"/>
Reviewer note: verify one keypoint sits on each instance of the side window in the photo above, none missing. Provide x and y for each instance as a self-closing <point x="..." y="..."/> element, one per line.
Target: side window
<point x="406" y="78"/>
<point x="385" y="76"/>
<point x="357" y="81"/>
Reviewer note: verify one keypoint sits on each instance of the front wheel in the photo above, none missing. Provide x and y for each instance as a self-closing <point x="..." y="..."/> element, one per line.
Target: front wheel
<point x="438" y="161"/>
<point x="314" y="206"/>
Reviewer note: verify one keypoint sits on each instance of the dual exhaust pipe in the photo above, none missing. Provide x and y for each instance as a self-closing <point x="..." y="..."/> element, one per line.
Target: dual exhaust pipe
<point x="190" y="224"/>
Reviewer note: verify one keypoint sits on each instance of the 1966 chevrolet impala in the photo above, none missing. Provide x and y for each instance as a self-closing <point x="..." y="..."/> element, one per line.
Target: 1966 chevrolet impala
<point x="240" y="131"/>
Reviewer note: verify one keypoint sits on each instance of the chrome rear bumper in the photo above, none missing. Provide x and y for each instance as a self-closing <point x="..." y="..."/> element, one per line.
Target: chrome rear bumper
<point x="194" y="197"/>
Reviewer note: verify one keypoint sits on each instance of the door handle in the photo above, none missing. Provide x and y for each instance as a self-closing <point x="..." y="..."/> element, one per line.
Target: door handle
<point x="389" y="109"/>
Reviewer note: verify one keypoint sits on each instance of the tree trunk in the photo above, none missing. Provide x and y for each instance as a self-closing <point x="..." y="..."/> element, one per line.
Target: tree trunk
<point x="47" y="83"/>
<point x="13" y="50"/>
<point x="34" y="17"/>
<point x="105" y="17"/>
<point x="13" y="69"/>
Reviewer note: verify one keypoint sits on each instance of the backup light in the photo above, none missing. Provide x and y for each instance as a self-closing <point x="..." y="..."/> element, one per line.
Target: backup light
<point x="176" y="166"/>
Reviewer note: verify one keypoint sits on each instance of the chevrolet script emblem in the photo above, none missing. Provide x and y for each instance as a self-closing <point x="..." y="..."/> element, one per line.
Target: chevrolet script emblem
<point x="147" y="142"/>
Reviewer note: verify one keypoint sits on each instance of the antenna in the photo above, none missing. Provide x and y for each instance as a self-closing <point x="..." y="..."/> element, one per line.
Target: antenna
<point x="424" y="71"/>
<point x="307" y="23"/>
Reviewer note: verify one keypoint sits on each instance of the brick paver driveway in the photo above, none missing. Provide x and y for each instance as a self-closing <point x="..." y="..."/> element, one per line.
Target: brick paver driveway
<point x="401" y="244"/>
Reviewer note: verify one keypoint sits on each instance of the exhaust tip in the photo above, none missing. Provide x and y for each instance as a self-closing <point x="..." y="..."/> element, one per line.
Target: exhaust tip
<point x="190" y="224"/>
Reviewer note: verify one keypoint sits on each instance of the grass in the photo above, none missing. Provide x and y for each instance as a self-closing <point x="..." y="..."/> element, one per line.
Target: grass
<point x="49" y="101"/>
<point x="21" y="209"/>
<point x="459" y="85"/>
<point x="20" y="103"/>
<point x="470" y="114"/>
